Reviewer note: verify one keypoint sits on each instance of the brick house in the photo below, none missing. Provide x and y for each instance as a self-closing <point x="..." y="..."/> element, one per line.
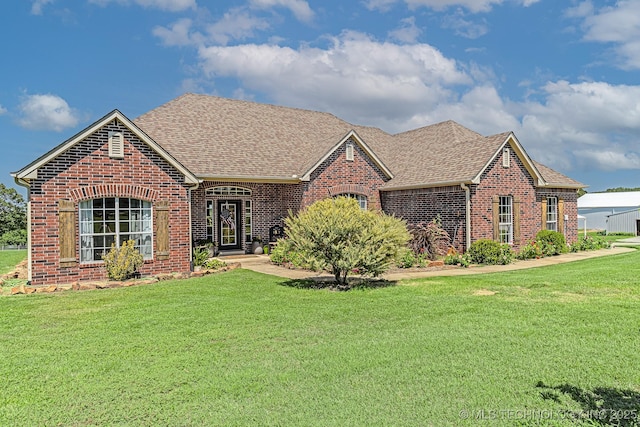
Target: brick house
<point x="203" y="167"/>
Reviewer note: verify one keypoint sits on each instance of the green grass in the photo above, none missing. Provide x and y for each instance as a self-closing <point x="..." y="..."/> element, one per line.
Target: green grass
<point x="9" y="259"/>
<point x="241" y="348"/>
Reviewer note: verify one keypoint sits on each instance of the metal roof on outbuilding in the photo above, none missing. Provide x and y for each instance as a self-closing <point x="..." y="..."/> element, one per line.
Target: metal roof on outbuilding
<point x="630" y="199"/>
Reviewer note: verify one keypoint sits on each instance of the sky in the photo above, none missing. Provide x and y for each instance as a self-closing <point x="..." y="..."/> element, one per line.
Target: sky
<point x="564" y="76"/>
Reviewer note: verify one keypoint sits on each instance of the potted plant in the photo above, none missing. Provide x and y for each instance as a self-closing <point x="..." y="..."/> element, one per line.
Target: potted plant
<point x="256" y="245"/>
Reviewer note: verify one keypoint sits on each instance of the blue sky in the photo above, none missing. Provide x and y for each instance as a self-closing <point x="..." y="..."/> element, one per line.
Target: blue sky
<point x="563" y="75"/>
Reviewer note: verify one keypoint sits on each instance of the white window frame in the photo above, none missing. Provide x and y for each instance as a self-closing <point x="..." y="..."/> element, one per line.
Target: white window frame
<point x="228" y="191"/>
<point x="114" y="223"/>
<point x="505" y="219"/>
<point x="552" y="213"/>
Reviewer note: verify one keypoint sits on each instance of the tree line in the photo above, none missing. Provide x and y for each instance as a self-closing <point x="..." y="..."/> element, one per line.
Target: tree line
<point x="13" y="217"/>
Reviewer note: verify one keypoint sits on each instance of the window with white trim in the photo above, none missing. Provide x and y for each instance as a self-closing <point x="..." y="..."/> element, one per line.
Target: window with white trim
<point x="228" y="191"/>
<point x="361" y="199"/>
<point x="505" y="219"/>
<point x="552" y="213"/>
<point x="109" y="220"/>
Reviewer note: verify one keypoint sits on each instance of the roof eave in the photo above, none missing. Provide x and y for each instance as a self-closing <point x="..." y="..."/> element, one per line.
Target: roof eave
<point x="428" y="185"/>
<point x="30" y="171"/>
<point x="294" y="179"/>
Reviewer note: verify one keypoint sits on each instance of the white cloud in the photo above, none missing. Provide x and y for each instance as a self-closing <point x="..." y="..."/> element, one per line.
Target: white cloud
<point x="464" y="27"/>
<point x="299" y="8"/>
<point x="178" y="33"/>
<point x="471" y="5"/>
<point x="37" y="5"/>
<point x="46" y="112"/>
<point x="355" y="76"/>
<point x="168" y="5"/>
<point x="594" y="122"/>
<point x="236" y="24"/>
<point x="618" y="25"/>
<point x="408" y="31"/>
<point x="2" y="110"/>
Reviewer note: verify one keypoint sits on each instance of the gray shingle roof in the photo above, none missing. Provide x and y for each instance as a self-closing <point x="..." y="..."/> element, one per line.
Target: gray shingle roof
<point x="223" y="138"/>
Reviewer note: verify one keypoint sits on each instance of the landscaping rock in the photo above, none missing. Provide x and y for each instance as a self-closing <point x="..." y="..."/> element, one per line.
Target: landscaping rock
<point x="439" y="263"/>
<point x="86" y="286"/>
<point x="17" y="290"/>
<point x="46" y="289"/>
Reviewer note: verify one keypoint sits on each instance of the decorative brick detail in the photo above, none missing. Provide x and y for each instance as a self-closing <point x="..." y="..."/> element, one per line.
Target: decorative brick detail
<point x="113" y="190"/>
<point x="86" y="171"/>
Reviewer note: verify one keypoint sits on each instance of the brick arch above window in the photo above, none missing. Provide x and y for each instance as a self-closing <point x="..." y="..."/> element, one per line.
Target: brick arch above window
<point x="349" y="189"/>
<point x="113" y="190"/>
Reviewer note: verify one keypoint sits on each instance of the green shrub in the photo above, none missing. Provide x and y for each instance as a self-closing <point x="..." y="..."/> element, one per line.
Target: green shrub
<point x="485" y="251"/>
<point x="337" y="235"/>
<point x="214" y="264"/>
<point x="285" y="255"/>
<point x="589" y="243"/>
<point x="200" y="256"/>
<point x="407" y="259"/>
<point x="121" y="263"/>
<point x="463" y="260"/>
<point x="552" y="242"/>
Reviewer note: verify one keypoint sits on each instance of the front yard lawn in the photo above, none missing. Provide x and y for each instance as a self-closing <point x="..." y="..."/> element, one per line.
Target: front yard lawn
<point x="544" y="346"/>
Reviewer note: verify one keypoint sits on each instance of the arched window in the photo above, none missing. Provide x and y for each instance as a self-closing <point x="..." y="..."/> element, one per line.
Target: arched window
<point x="361" y="199"/>
<point x="109" y="220"/>
<point x="228" y="191"/>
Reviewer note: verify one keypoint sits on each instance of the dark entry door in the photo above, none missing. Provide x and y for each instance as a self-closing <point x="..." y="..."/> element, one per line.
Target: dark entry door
<point x="637" y="227"/>
<point x="229" y="213"/>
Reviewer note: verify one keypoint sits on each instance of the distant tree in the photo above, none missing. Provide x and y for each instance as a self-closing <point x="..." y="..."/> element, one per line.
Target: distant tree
<point x="581" y="192"/>
<point x="621" y="189"/>
<point x="338" y="235"/>
<point x="13" y="210"/>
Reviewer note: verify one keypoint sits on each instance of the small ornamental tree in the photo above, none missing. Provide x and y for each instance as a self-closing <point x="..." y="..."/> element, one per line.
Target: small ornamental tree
<point x="337" y="235"/>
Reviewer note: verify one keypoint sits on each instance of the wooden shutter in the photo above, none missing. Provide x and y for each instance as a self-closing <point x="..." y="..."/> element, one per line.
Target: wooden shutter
<point x="516" y="220"/>
<point x="162" y="230"/>
<point x="67" y="233"/>
<point x="496" y="217"/>
<point x="543" y="223"/>
<point x="560" y="215"/>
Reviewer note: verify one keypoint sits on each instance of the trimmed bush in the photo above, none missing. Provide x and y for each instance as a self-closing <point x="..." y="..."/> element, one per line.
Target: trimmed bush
<point x="121" y="263"/>
<point x="552" y="242"/>
<point x="589" y="243"/>
<point x="485" y="251"/>
<point x="339" y="236"/>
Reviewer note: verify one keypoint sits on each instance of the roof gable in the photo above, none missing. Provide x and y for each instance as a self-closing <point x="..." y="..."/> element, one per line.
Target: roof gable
<point x="508" y="138"/>
<point x="30" y="171"/>
<point x="353" y="136"/>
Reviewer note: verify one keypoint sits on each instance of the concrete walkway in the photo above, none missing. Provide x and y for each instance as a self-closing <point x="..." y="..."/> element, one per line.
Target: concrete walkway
<point x="261" y="264"/>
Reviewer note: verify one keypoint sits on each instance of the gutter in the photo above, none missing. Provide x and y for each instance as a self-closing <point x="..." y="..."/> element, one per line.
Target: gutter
<point x="467" y="201"/>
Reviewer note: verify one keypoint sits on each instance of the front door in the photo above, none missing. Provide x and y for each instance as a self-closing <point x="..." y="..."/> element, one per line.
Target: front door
<point x="229" y="224"/>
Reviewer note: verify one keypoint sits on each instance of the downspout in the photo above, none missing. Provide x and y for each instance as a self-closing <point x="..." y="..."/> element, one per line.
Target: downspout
<point x="25" y="184"/>
<point x="467" y="216"/>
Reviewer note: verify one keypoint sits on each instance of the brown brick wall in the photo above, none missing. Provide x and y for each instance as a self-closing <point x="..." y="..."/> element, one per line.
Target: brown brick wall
<point x="425" y="204"/>
<point x="271" y="202"/>
<point x="338" y="175"/>
<point x="85" y="172"/>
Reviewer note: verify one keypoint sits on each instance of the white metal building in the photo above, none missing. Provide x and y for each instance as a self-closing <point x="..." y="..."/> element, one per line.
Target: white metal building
<point x="597" y="207"/>
<point x="624" y="222"/>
